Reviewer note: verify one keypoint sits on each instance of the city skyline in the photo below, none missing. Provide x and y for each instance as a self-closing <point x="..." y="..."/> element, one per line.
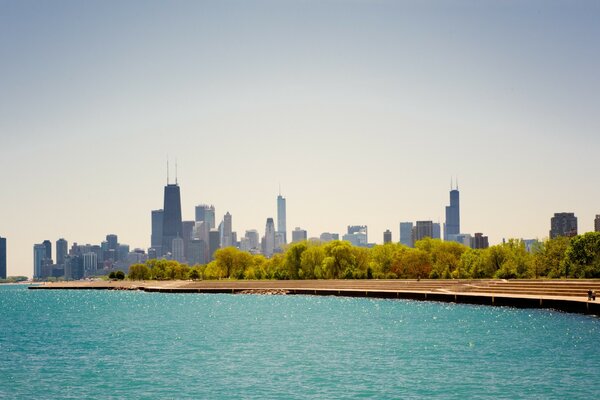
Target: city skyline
<point x="362" y="111"/>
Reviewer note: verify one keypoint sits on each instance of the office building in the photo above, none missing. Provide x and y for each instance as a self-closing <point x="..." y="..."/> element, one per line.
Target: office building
<point x="112" y="242"/>
<point x="478" y="241"/>
<point x="206" y="213"/>
<point x="62" y="250"/>
<point x="178" y="250"/>
<point x="227" y="238"/>
<point x="422" y="230"/>
<point x="406" y="229"/>
<point x="172" y="222"/>
<point x="214" y="242"/>
<point x="597" y="223"/>
<point x="436" y="231"/>
<point x="157" y="231"/>
<point x="48" y="245"/>
<point x="563" y="224"/>
<point x="387" y="236"/>
<point x="452" y="225"/>
<point x="357" y="235"/>
<point x="269" y="238"/>
<point x="90" y="264"/>
<point x="188" y="234"/>
<point x="195" y="253"/>
<point x="299" y="235"/>
<point x="39" y="259"/>
<point x="281" y="215"/>
<point x="253" y="239"/>
<point x="279" y="241"/>
<point x="2" y="258"/>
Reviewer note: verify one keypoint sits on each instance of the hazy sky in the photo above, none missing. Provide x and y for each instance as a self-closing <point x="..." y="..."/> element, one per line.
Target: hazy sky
<point x="362" y="110"/>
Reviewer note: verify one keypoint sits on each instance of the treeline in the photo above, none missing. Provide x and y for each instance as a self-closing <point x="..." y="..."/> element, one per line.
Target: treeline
<point x="577" y="257"/>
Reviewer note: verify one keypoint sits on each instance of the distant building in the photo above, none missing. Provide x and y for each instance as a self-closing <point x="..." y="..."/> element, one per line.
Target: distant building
<point x="112" y="242"/>
<point x="48" y="245"/>
<point x="172" y="222"/>
<point x="406" y="229"/>
<point x="478" y="241"/>
<point x="62" y="250"/>
<point x="281" y="218"/>
<point x="253" y="239"/>
<point x="39" y="261"/>
<point x="227" y="231"/>
<point x="421" y="230"/>
<point x="387" y="236"/>
<point x="357" y="235"/>
<point x="206" y="213"/>
<point x="2" y="258"/>
<point x="157" y="231"/>
<point x="597" y="223"/>
<point x="531" y="244"/>
<point x="188" y="234"/>
<point x="195" y="253"/>
<point x="298" y="235"/>
<point x="214" y="242"/>
<point x="452" y="225"/>
<point x="328" y="237"/>
<point x="178" y="248"/>
<point x="90" y="264"/>
<point x="437" y="231"/>
<point x="563" y="224"/>
<point x="269" y="238"/>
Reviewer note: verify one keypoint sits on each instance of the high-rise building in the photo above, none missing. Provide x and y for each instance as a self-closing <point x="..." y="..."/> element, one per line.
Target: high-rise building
<point x="39" y="258"/>
<point x="422" y="230"/>
<point x="269" y="238"/>
<point x="452" y="225"/>
<point x="188" y="234"/>
<point x="597" y="223"/>
<point x="2" y="258"/>
<point x="406" y="233"/>
<point x="387" y="236"/>
<point x="253" y="239"/>
<point x="227" y="231"/>
<point x="157" y="233"/>
<point x="206" y="213"/>
<point x="48" y="245"/>
<point x="299" y="235"/>
<point x="90" y="264"/>
<point x="279" y="241"/>
<point x="214" y="242"/>
<point x="437" y="232"/>
<point x="178" y="248"/>
<point x="563" y="224"/>
<point x="172" y="222"/>
<point x="62" y="249"/>
<point x="478" y="241"/>
<point x="113" y="242"/>
<point x="281" y="214"/>
<point x="195" y="253"/>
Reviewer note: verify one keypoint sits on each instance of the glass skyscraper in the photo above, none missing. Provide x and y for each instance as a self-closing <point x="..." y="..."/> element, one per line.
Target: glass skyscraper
<point x="2" y="258"/>
<point x="281" y="224"/>
<point x="172" y="222"/>
<point x="452" y="225"/>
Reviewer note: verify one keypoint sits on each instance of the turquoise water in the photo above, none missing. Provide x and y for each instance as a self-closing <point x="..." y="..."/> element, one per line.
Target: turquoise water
<point x="102" y="344"/>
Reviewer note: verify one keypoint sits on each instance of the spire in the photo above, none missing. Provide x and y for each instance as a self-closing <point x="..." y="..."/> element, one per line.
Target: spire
<point x="167" y="170"/>
<point x="176" y="171"/>
<point x="451" y="186"/>
<point x="457" y="183"/>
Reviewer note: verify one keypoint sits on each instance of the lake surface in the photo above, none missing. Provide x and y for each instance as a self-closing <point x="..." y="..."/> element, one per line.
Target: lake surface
<point x="117" y="344"/>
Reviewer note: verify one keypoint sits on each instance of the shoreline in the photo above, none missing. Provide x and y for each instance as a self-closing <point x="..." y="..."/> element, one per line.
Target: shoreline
<point x="564" y="295"/>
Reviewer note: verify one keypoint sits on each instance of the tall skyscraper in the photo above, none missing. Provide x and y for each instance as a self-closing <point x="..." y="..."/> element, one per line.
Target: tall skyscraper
<point x="227" y="231"/>
<point x="214" y="242"/>
<point x="563" y="224"/>
<point x="281" y="214"/>
<point x="178" y="248"/>
<point x="269" y="237"/>
<point x="253" y="239"/>
<point x="406" y="233"/>
<point x="479" y="241"/>
<point x="39" y="257"/>
<point x="357" y="235"/>
<point x="387" y="236"/>
<point x="597" y="223"/>
<point x="452" y="225"/>
<point x="2" y="258"/>
<point x="48" y="245"/>
<point x="62" y="249"/>
<point x="157" y="231"/>
<point x="437" y="234"/>
<point x="113" y="242"/>
<point x="172" y="222"/>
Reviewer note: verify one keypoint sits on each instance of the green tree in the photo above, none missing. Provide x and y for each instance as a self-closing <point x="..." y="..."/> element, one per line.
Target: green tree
<point x="582" y="258"/>
<point x="311" y="263"/>
<point x="293" y="258"/>
<point x="340" y="260"/>
<point x="548" y="258"/>
<point x="139" y="272"/>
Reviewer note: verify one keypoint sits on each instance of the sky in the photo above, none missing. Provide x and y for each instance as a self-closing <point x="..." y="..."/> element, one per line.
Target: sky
<point x="363" y="111"/>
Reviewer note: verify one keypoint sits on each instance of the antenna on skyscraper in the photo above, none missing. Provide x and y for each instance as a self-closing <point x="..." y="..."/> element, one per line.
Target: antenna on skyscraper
<point x="451" y="187"/>
<point x="457" y="183"/>
<point x="176" y="171"/>
<point x="167" y="170"/>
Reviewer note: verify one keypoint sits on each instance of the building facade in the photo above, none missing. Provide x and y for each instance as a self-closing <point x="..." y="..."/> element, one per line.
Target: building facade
<point x="227" y="240"/>
<point x="281" y="217"/>
<point x="422" y="230"/>
<point x="406" y="229"/>
<point x="172" y="222"/>
<point x="597" y="223"/>
<point x="299" y="235"/>
<point x="387" y="236"/>
<point x="62" y="250"/>
<point x="2" y="258"/>
<point x="478" y="241"/>
<point x="563" y="224"/>
<point x="157" y="231"/>
<point x="269" y="238"/>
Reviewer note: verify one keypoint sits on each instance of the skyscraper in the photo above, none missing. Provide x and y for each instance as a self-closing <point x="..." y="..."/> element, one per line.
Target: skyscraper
<point x="39" y="257"/>
<point x="2" y="258"/>
<point x="269" y="237"/>
<point x="452" y="225"/>
<point x="437" y="234"/>
<point x="178" y="248"/>
<point x="406" y="233"/>
<point x="479" y="241"/>
<point x="357" y="235"/>
<point x="113" y="242"/>
<point x="281" y="224"/>
<point x="157" y="227"/>
<point x="597" y="223"/>
<point x="48" y="245"/>
<point x="62" y="249"/>
<point x="214" y="242"/>
<point x="422" y="230"/>
<point x="387" y="236"/>
<point x="172" y="222"/>
<point x="563" y="224"/>
<point x="206" y="213"/>
<point x="227" y="231"/>
<point x="299" y="235"/>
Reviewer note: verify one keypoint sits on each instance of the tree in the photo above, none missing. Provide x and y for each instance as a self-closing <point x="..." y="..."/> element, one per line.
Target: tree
<point x="582" y="258"/>
<point x="139" y="272"/>
<point x="311" y="263"/>
<point x="339" y="261"/>
<point x="548" y="258"/>
<point x="293" y="258"/>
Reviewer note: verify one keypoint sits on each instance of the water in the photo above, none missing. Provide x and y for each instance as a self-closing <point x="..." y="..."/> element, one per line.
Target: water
<point x="103" y="344"/>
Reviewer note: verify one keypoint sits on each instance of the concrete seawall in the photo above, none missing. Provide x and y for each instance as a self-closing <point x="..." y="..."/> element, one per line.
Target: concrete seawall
<point x="567" y="296"/>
